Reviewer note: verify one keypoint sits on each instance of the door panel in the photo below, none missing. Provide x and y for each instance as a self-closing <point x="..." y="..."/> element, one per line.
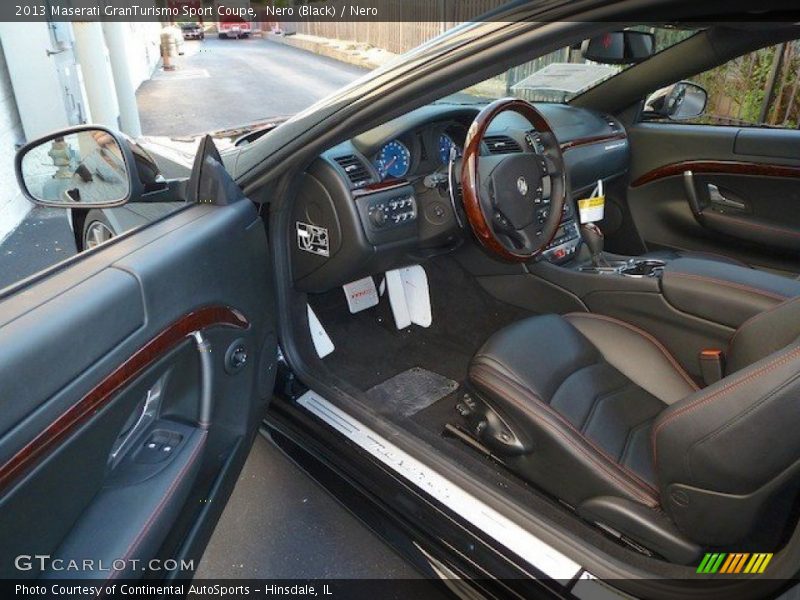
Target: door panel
<point x="122" y="408"/>
<point x="730" y="190"/>
<point x="49" y="335"/>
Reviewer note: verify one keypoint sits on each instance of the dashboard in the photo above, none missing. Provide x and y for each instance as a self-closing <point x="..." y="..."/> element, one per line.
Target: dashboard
<point x="390" y="196"/>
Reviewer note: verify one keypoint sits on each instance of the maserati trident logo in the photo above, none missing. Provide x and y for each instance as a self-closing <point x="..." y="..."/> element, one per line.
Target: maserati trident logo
<point x="522" y="186"/>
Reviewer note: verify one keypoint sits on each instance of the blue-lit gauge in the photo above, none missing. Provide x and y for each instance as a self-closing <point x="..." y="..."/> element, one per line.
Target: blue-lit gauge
<point x="445" y="143"/>
<point x="393" y="160"/>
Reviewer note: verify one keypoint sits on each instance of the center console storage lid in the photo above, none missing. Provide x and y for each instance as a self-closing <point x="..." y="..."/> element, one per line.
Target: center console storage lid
<point x="723" y="293"/>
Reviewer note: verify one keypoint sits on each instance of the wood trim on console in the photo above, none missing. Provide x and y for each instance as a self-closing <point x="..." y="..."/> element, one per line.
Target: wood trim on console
<point x="101" y="395"/>
<point x="717" y="167"/>
<point x="597" y="139"/>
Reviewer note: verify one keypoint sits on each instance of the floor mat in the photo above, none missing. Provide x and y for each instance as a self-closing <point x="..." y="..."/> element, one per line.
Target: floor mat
<point x="440" y="413"/>
<point x="411" y="391"/>
<point x="370" y="349"/>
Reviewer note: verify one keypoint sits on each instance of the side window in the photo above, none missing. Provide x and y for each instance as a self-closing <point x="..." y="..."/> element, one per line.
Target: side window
<point x="42" y="91"/>
<point x="759" y="89"/>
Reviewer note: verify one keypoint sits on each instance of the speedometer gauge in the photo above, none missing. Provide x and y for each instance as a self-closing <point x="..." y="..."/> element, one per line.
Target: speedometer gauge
<point x="393" y="160"/>
<point x="445" y="143"/>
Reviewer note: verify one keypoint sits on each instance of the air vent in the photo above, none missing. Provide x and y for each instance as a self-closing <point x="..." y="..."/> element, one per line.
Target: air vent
<point x="356" y="172"/>
<point x="501" y="144"/>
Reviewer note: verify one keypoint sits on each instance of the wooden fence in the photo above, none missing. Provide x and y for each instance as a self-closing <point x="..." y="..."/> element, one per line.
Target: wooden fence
<point x="407" y="24"/>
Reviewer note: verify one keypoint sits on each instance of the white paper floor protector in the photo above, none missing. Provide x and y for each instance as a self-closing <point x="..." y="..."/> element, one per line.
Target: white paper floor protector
<point x="322" y="342"/>
<point x="592" y="209"/>
<point x="397" y="299"/>
<point x="361" y="294"/>
<point x="409" y="296"/>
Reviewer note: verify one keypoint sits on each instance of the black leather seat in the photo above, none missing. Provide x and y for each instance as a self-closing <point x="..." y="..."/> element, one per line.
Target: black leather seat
<point x="599" y="414"/>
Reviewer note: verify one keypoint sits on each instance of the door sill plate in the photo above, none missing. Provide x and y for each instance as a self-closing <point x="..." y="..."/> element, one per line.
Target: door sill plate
<point x="542" y="556"/>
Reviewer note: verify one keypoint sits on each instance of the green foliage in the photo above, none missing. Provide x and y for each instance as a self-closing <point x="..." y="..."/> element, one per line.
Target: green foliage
<point x="737" y="90"/>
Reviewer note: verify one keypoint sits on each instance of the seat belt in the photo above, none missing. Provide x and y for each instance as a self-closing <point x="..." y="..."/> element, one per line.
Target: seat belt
<point x="712" y="365"/>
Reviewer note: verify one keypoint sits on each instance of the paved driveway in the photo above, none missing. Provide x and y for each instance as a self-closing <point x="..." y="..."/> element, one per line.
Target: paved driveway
<point x="225" y="83"/>
<point x="220" y="84"/>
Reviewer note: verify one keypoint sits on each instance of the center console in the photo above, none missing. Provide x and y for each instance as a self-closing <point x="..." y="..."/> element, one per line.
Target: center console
<point x="688" y="304"/>
<point x="567" y="240"/>
<point x="632" y="267"/>
<point x="565" y="247"/>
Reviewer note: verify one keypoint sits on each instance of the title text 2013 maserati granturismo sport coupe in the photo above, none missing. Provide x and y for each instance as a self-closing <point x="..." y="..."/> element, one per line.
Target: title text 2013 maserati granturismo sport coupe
<point x="518" y="299"/>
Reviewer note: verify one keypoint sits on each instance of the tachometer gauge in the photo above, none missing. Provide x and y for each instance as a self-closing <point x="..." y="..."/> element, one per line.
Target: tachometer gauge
<point x="445" y="143"/>
<point x="393" y="160"/>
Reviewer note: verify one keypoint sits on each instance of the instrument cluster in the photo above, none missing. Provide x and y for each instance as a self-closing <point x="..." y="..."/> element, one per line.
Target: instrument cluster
<point x="419" y="153"/>
<point x="393" y="160"/>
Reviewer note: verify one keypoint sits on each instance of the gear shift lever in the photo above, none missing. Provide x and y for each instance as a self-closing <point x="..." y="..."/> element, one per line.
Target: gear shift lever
<point x="593" y="237"/>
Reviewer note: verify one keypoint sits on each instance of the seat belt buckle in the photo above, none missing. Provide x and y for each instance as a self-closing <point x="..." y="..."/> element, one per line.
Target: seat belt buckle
<point x="712" y="365"/>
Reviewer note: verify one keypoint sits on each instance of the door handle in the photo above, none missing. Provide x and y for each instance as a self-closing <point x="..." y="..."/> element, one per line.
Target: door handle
<point x="206" y="380"/>
<point x="691" y="194"/>
<point x="717" y="198"/>
<point x="147" y="415"/>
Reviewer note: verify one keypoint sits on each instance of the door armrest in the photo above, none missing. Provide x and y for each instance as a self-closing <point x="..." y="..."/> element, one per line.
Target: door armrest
<point x="723" y="293"/>
<point x="128" y="519"/>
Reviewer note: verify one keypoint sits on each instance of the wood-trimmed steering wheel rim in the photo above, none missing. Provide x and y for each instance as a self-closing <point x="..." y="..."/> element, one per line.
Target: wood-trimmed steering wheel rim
<point x="471" y="183"/>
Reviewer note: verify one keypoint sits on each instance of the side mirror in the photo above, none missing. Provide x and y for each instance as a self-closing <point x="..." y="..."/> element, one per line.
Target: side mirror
<point x="619" y="47"/>
<point x="679" y="101"/>
<point x="88" y="166"/>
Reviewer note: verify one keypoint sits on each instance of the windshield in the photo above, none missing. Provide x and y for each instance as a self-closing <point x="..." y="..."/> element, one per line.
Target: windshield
<point x="232" y="78"/>
<point x="561" y="75"/>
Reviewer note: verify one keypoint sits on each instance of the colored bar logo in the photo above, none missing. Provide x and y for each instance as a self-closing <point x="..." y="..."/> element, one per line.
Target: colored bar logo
<point x="734" y="563"/>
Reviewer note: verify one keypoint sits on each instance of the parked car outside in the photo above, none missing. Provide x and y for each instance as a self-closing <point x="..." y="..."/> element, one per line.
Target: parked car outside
<point x="234" y="27"/>
<point x="193" y="31"/>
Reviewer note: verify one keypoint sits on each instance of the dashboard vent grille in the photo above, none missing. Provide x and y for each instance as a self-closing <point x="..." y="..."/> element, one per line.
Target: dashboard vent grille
<point x="501" y="144"/>
<point x="355" y="169"/>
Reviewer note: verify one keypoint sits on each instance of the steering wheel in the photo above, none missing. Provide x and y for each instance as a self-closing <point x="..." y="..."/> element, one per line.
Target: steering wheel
<point x="513" y="202"/>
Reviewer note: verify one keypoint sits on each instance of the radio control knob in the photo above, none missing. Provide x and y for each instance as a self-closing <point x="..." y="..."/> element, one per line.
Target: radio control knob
<point x="378" y="218"/>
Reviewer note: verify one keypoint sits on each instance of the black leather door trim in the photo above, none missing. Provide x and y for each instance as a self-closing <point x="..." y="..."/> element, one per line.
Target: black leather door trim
<point x="78" y="413"/>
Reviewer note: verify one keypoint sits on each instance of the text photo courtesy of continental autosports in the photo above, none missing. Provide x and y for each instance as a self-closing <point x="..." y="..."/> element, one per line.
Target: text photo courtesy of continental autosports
<point x="400" y="299"/>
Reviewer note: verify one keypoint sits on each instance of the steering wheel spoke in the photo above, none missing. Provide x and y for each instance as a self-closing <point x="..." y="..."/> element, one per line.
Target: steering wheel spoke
<point x="551" y="166"/>
<point x="501" y="222"/>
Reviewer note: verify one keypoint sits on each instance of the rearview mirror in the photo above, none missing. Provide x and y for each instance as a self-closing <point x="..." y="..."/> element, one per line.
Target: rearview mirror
<point x="679" y="101"/>
<point x="88" y="165"/>
<point x="619" y="47"/>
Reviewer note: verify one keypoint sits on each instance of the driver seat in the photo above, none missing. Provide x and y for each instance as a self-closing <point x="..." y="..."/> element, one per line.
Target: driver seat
<point x="598" y="413"/>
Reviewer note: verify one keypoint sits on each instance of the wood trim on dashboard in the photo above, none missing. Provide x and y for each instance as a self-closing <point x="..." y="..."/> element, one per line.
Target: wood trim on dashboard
<point x="380" y="186"/>
<point x="717" y="167"/>
<point x="596" y="139"/>
<point x="80" y="412"/>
